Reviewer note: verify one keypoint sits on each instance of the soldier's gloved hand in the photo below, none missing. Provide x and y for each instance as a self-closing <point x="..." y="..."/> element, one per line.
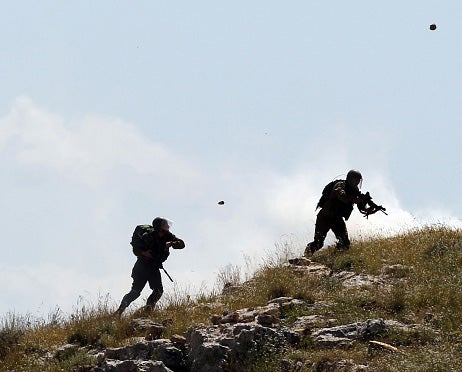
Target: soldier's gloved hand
<point x="369" y="210"/>
<point x="168" y="244"/>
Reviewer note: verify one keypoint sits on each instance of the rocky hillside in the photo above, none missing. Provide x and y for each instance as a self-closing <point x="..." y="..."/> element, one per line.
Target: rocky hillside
<point x="390" y="304"/>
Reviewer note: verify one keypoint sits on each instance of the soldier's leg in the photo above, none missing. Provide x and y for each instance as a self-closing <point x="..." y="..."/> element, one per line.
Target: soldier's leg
<point x="155" y="283"/>
<point x="140" y="278"/>
<point x="341" y="233"/>
<point x="322" y="227"/>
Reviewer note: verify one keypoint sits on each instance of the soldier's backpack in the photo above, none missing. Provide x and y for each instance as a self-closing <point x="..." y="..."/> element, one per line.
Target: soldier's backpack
<point x="325" y="193"/>
<point x="140" y="241"/>
<point x="139" y="237"/>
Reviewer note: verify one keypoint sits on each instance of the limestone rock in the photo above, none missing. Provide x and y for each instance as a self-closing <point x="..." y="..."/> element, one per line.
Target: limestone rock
<point x="352" y="279"/>
<point x="267" y="319"/>
<point x="230" y="317"/>
<point x="143" y="326"/>
<point x="154" y="332"/>
<point x="131" y="366"/>
<point x="350" y="332"/>
<point x="161" y="350"/>
<point x="218" y="345"/>
<point x="66" y="351"/>
<point x="178" y="340"/>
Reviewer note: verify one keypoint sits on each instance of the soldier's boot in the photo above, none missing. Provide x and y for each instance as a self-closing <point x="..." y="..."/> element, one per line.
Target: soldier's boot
<point x="311" y="248"/>
<point x="149" y="308"/>
<point x="119" y="311"/>
<point x="308" y="250"/>
<point x="140" y="313"/>
<point x="343" y="244"/>
<point x="144" y="311"/>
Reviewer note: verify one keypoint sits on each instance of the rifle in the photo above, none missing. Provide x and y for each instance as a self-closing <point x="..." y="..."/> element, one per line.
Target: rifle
<point x="367" y="199"/>
<point x="165" y="271"/>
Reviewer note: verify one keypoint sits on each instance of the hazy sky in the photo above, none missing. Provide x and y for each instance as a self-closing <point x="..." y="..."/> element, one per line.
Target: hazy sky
<point x="114" y="112"/>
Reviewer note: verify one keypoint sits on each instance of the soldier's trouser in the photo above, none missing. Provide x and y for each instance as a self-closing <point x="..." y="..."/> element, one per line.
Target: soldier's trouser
<point x="143" y="273"/>
<point x="324" y="223"/>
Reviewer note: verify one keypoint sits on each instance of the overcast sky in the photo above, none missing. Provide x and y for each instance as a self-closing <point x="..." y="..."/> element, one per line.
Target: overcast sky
<point x="115" y="112"/>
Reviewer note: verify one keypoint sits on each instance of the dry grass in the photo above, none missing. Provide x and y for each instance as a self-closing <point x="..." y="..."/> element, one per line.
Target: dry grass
<point x="430" y="291"/>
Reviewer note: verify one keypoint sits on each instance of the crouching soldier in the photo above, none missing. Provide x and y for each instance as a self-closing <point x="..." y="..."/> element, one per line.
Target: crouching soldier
<point x="336" y="203"/>
<point x="151" y="245"/>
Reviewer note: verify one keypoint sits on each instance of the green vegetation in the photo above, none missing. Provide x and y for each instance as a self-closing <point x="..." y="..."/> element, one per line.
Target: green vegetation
<point x="427" y="290"/>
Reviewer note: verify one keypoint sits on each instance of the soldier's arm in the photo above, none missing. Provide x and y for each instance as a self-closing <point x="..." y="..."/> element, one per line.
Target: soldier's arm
<point x="175" y="242"/>
<point x="339" y="192"/>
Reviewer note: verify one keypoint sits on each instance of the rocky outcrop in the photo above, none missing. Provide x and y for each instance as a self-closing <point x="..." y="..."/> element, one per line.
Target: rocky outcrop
<point x="230" y="346"/>
<point x="235" y="338"/>
<point x="215" y="348"/>
<point x="347" y="278"/>
<point x="304" y="266"/>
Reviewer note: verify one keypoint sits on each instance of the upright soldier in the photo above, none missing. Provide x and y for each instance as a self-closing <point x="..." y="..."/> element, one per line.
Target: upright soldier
<point x="336" y="206"/>
<point x="151" y="245"/>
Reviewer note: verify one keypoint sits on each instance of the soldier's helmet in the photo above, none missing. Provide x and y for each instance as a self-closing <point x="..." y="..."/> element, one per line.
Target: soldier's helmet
<point x="161" y="223"/>
<point x="354" y="174"/>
